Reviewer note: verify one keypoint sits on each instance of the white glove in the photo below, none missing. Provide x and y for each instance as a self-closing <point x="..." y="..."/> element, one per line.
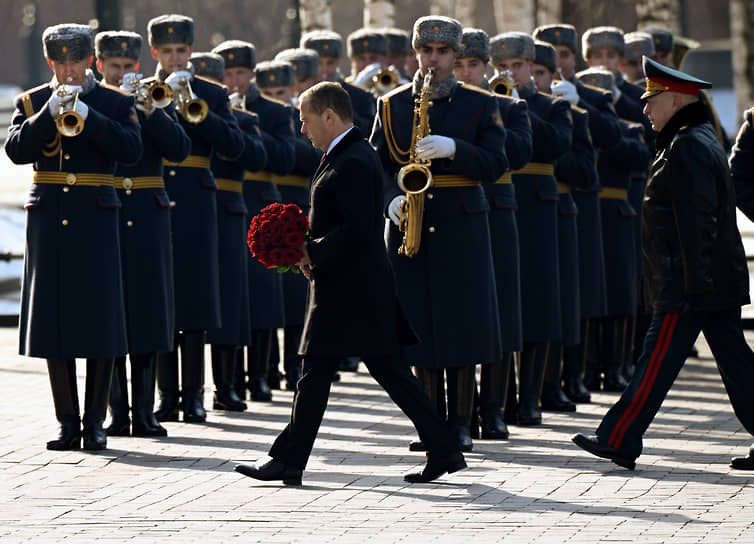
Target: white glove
<point x="435" y="147"/>
<point x="395" y="209"/>
<point x="514" y="93"/>
<point x="129" y="82"/>
<point x="147" y="109"/>
<point x="363" y="78"/>
<point x="174" y="79"/>
<point x="82" y="109"/>
<point x="565" y="89"/>
<point x="55" y="100"/>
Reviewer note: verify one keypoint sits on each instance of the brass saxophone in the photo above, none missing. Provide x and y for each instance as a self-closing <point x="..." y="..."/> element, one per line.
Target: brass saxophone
<point x="415" y="178"/>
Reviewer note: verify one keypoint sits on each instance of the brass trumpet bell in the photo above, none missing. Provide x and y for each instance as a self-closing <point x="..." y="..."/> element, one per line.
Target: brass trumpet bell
<point x="192" y="108"/>
<point x="502" y="83"/>
<point x="385" y="80"/>
<point x="67" y="120"/>
<point x="160" y="94"/>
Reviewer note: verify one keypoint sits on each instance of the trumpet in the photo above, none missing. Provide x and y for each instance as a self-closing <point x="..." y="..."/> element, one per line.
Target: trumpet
<point x="503" y="83"/>
<point x="67" y="119"/>
<point x="192" y="108"/>
<point x="385" y="80"/>
<point x="156" y="93"/>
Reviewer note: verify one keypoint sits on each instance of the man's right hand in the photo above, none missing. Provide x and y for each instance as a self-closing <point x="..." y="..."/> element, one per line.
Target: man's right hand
<point x="395" y="209"/>
<point x="175" y="79"/>
<point x="565" y="89"/>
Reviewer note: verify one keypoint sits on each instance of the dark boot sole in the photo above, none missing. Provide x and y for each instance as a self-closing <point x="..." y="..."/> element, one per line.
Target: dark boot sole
<point x="56" y="445"/>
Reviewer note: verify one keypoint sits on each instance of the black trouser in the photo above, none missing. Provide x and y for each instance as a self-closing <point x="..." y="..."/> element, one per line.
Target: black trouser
<point x="666" y="346"/>
<point x="294" y="445"/>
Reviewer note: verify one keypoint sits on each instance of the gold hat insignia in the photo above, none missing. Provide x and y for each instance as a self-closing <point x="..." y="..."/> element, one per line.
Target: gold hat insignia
<point x="436" y="29"/>
<point x="231" y="56"/>
<point x="325" y="46"/>
<point x="557" y="33"/>
<point x="170" y="30"/>
<point x="64" y="49"/>
<point x="272" y="77"/>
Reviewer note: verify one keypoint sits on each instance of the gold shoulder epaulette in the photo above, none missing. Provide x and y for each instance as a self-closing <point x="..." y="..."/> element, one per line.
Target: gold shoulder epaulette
<point x="474" y="88"/>
<point x="575" y="108"/>
<point x="113" y="88"/>
<point x="37" y="89"/>
<point x="548" y="95"/>
<point x="397" y="90"/>
<point x="684" y="127"/>
<point x="595" y="88"/>
<point x="212" y="81"/>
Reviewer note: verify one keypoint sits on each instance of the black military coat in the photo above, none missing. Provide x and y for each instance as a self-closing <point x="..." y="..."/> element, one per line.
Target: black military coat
<point x="742" y="166"/>
<point x="353" y="307"/>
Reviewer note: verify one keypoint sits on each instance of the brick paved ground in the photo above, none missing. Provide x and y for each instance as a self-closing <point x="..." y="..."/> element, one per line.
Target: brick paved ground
<point x="536" y="487"/>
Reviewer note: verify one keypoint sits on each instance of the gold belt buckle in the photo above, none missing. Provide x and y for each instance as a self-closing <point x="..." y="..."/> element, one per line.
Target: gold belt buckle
<point x="70" y="179"/>
<point x="128" y="183"/>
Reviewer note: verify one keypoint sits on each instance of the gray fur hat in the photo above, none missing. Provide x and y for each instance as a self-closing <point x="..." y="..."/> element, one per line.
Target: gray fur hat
<point x="366" y="40"/>
<point x="474" y="43"/>
<point x="237" y="53"/>
<point x="68" y="42"/>
<point x="209" y="65"/>
<point x="305" y="62"/>
<point x="398" y="40"/>
<point x="545" y="54"/>
<point x="560" y="34"/>
<point x="511" y="45"/>
<point x="597" y="76"/>
<point x="170" y="28"/>
<point x="325" y="42"/>
<point x="662" y="38"/>
<point x="638" y="44"/>
<point x="435" y="28"/>
<point x="117" y="44"/>
<point x="275" y="73"/>
<point x="602" y="36"/>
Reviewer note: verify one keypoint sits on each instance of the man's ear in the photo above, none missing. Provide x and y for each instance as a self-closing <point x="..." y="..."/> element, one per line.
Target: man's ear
<point x="154" y="53"/>
<point x="89" y="61"/>
<point x="99" y="65"/>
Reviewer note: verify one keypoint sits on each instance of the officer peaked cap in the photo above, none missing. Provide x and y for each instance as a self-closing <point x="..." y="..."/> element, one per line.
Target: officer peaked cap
<point x="436" y="28"/>
<point x="661" y="78"/>
<point x="512" y="45"/>
<point x="171" y="29"/>
<point x="237" y="53"/>
<point x="209" y="65"/>
<point x="117" y="44"/>
<point x="560" y="34"/>
<point x="325" y="42"/>
<point x="602" y="36"/>
<point x="68" y="42"/>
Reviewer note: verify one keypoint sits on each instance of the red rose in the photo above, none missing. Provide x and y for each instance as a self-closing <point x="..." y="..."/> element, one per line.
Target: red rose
<point x="294" y="239"/>
<point x="276" y="255"/>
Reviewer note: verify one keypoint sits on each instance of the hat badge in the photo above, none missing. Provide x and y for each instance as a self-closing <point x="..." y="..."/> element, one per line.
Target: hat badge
<point x="365" y="43"/>
<point x="557" y="33"/>
<point x="124" y="44"/>
<point x="64" y="49"/>
<point x="436" y="29"/>
<point x="593" y="80"/>
<point x="170" y="30"/>
<point x="295" y="67"/>
<point x="231" y="56"/>
<point x="272" y="77"/>
<point x="635" y="47"/>
<point x="657" y="40"/>
<point x="203" y="64"/>
<point x="503" y="46"/>
<point x="326" y="46"/>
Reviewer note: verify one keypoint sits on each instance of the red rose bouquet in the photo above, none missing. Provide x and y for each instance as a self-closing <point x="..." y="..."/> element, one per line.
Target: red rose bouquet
<point x="276" y="235"/>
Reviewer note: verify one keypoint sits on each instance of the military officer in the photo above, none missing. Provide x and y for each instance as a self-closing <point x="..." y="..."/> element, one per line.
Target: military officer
<point x="638" y="44"/>
<point x="537" y="216"/>
<point x="329" y="46"/>
<point x="471" y="65"/>
<point x="190" y="184"/>
<point x="276" y="125"/>
<point x="305" y="64"/>
<point x="553" y="397"/>
<point x="73" y="131"/>
<point x="145" y="236"/>
<point x="695" y="268"/>
<point x="448" y="286"/>
<point x="232" y="226"/>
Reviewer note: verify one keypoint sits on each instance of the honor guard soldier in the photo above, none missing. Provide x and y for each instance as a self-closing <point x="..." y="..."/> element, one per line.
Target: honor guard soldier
<point x="443" y="266"/>
<point x="663" y="44"/>
<point x="537" y="217"/>
<point x="205" y="115"/>
<point x="618" y="217"/>
<point x="294" y="189"/>
<point x="232" y="227"/>
<point x="398" y="50"/>
<point x="276" y="125"/>
<point x="73" y="131"/>
<point x="470" y="68"/>
<point x="305" y="64"/>
<point x="694" y="268"/>
<point x="145" y="234"/>
<point x="638" y="44"/>
<point x="367" y="49"/>
<point x="329" y="46"/>
<point x="553" y="397"/>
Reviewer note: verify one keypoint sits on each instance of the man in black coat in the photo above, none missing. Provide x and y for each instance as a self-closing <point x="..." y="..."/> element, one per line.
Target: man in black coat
<point x="694" y="268"/>
<point x="346" y="252"/>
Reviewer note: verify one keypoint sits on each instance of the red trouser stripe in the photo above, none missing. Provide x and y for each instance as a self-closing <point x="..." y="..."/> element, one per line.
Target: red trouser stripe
<point x="640" y="398"/>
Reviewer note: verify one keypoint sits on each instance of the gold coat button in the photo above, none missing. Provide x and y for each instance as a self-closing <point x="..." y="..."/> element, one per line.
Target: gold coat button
<point x="65" y="189"/>
<point x="430" y="196"/>
<point x="70" y="179"/>
<point x="64" y="222"/>
<point x="130" y="223"/>
<point x="172" y="203"/>
<point x="431" y="229"/>
<point x="128" y="191"/>
<point x="128" y="183"/>
<point x="66" y="156"/>
<point x="172" y="172"/>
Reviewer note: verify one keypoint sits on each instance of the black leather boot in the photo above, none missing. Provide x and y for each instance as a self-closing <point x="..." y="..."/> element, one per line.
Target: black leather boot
<point x="510" y="408"/>
<point x="99" y="375"/>
<point x="192" y="376"/>
<point x="120" y="422"/>
<point x="167" y="383"/>
<point x="533" y="361"/>
<point x="259" y="357"/>
<point x="461" y="404"/>
<point x="65" y="397"/>
<point x="492" y="397"/>
<point x="574" y="366"/>
<point x="239" y="373"/>
<point x="223" y="367"/>
<point x="432" y="379"/>
<point x="292" y="361"/>
<point x="273" y="364"/>
<point x="142" y="396"/>
<point x="616" y="335"/>
<point x="553" y="397"/>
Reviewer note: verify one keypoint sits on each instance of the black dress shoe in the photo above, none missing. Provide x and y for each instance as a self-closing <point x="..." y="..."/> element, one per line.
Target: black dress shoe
<point x="146" y="431"/>
<point x="417" y="445"/>
<point x="556" y="401"/>
<point x="119" y="427"/>
<point x="743" y="463"/>
<point x="270" y="471"/>
<point x="593" y="446"/>
<point x="259" y="389"/>
<point x="168" y="408"/>
<point x="95" y="437"/>
<point x="436" y="467"/>
<point x="493" y="426"/>
<point x="461" y="432"/>
<point x="69" y="436"/>
<point x="575" y="390"/>
<point x="228" y="400"/>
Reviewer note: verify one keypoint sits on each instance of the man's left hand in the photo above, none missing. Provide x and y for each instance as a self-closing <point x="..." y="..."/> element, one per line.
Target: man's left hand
<point x="305" y="264"/>
<point x="435" y="147"/>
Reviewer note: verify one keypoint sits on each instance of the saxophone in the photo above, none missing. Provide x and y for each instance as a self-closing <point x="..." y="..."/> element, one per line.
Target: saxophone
<point x="415" y="178"/>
